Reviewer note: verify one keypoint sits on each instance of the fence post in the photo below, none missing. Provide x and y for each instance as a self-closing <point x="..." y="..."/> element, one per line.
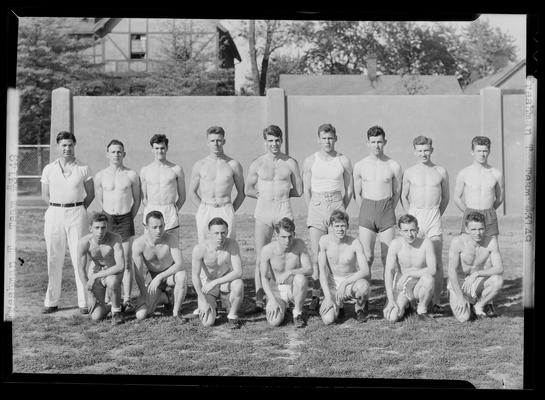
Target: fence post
<point x="276" y="112"/>
<point x="492" y="127"/>
<point x="62" y="118"/>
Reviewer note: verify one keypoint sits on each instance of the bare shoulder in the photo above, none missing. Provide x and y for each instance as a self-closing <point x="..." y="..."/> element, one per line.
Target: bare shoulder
<point x="354" y="242"/>
<point x="491" y="243"/>
<point x="496" y="173"/>
<point x="463" y="172"/>
<point x="85" y="240"/>
<point x="345" y="161"/>
<point x="457" y="243"/>
<point x="309" y="160"/>
<point x="409" y="172"/>
<point x="395" y="244"/>
<point x="396" y="167"/>
<point x="138" y="243"/>
<point x="324" y="241"/>
<point x="291" y="161"/>
<point x="131" y="174"/>
<point x="267" y="249"/>
<point x="198" y="250"/>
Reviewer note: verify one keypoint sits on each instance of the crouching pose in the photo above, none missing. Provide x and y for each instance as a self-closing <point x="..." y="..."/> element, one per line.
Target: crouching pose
<point x="217" y="272"/>
<point x="344" y="271"/>
<point x="101" y="265"/>
<point x="410" y="271"/>
<point x="285" y="266"/>
<point x="157" y="252"/>
<point x="482" y="269"/>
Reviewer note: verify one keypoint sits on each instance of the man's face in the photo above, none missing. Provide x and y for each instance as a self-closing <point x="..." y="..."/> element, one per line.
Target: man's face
<point x="409" y="231"/>
<point x="285" y="238"/>
<point x="327" y="140"/>
<point x="116" y="154"/>
<point x="423" y="152"/>
<point x="339" y="229"/>
<point x="273" y="144"/>
<point x="475" y="230"/>
<point x="376" y="144"/>
<point x="159" y="151"/>
<point x="66" y="148"/>
<point x="155" y="228"/>
<point x="480" y="153"/>
<point x="98" y="229"/>
<point x="215" y="143"/>
<point x="218" y="233"/>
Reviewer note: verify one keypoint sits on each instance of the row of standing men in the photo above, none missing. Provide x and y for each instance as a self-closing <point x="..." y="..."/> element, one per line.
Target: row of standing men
<point x="328" y="183"/>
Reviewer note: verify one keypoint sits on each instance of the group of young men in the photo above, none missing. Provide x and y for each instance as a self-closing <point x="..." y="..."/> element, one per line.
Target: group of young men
<point x="338" y="265"/>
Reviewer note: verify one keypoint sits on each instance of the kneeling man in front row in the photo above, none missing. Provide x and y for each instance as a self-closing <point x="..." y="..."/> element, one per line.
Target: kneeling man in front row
<point x="410" y="271"/>
<point x="157" y="252"/>
<point x="344" y="272"/>
<point x="217" y="272"/>
<point x="482" y="268"/>
<point x="102" y="250"/>
<point x="285" y="265"/>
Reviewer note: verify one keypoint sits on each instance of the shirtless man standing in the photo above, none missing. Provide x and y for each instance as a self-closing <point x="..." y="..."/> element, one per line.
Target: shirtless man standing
<point x="479" y="187"/>
<point x="285" y="266"/>
<point x="157" y="252"/>
<point x="272" y="179"/>
<point x="377" y="187"/>
<point x="214" y="176"/>
<point x="163" y="186"/>
<point x="344" y="273"/>
<point x="219" y="258"/>
<point x="326" y="174"/>
<point x="425" y="195"/>
<point x="117" y="189"/>
<point x="101" y="264"/>
<point x="481" y="279"/>
<point x="410" y="267"/>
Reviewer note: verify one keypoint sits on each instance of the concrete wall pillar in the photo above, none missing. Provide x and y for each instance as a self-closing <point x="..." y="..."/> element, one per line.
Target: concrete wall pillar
<point x="62" y="116"/>
<point x="492" y="127"/>
<point x="276" y="113"/>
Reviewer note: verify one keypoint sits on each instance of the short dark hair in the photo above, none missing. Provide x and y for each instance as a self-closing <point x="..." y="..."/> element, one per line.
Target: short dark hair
<point x="154" y="214"/>
<point x="217" y="221"/>
<point x="285" y="223"/>
<point x="419" y="140"/>
<point x="217" y="130"/>
<point x="338" y="215"/>
<point x="272" y="130"/>
<point x="375" y="131"/>
<point x="115" y="142"/>
<point x="158" y="138"/>
<point x="98" y="217"/>
<point x="480" y="141"/>
<point x="474" y="216"/>
<point x="407" y="219"/>
<point x="65" y="135"/>
<point x="328" y="128"/>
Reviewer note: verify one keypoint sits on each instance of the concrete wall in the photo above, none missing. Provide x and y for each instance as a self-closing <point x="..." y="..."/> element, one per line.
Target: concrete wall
<point x="451" y="121"/>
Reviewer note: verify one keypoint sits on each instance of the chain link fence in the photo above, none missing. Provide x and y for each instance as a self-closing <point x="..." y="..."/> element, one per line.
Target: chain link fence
<point x="32" y="159"/>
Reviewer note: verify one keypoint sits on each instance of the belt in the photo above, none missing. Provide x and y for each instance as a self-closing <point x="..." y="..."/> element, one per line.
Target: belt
<point x="215" y="205"/>
<point x="80" y="203"/>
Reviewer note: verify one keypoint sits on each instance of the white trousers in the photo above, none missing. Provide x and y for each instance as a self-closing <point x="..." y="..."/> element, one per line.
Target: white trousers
<point x="63" y="226"/>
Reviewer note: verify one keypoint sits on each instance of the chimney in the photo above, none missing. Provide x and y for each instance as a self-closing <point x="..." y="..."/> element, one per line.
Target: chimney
<point x="371" y="66"/>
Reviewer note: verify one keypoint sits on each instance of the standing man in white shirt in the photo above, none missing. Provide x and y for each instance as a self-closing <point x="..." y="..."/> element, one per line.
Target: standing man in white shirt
<point x="67" y="186"/>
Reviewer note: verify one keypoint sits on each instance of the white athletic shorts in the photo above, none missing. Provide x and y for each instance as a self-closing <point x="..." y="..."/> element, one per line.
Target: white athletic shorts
<point x="170" y="214"/>
<point x="471" y="295"/>
<point x="283" y="291"/>
<point x="206" y="212"/>
<point x="429" y="221"/>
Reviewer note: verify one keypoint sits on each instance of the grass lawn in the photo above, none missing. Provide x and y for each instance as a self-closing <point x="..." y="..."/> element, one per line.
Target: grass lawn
<point x="486" y="353"/>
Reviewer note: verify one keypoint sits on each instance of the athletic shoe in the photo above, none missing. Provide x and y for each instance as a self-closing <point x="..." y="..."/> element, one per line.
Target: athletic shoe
<point x="362" y="315"/>
<point x="341" y="313"/>
<point x="84" y="310"/>
<point x="489" y="311"/>
<point x="182" y="319"/>
<point x="425" y="317"/>
<point x="235" y="323"/>
<point x="314" y="304"/>
<point x="128" y="307"/>
<point x="299" y="321"/>
<point x="49" y="310"/>
<point x="436" y="309"/>
<point x="259" y="302"/>
<point x="116" y="318"/>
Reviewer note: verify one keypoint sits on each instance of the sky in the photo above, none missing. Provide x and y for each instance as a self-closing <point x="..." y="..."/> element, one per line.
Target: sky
<point x="512" y="24"/>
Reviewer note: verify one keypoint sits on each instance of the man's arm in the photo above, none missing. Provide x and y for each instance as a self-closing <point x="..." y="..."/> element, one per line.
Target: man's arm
<point x="453" y="264"/>
<point x="264" y="266"/>
<point x="83" y="246"/>
<point x="194" y="183"/>
<point x="405" y="190"/>
<point x="323" y="265"/>
<point x="296" y="180"/>
<point x="196" y="267"/>
<point x="396" y="183"/>
<point x="238" y="176"/>
<point x="459" y="191"/>
<point x="357" y="184"/>
<point x="45" y="192"/>
<point x="180" y="183"/>
<point x="307" y="176"/>
<point x="495" y="258"/>
<point x="348" y="180"/>
<point x="140" y="265"/>
<point x="499" y="189"/>
<point x="143" y="187"/>
<point x="136" y="194"/>
<point x="445" y="191"/>
<point x="89" y="187"/>
<point x="98" y="189"/>
<point x="251" y="181"/>
<point x="389" y="270"/>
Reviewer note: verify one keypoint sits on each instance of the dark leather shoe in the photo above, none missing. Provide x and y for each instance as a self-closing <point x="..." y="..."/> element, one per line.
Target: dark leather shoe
<point x="490" y="311"/>
<point x="83" y="310"/>
<point x="49" y="310"/>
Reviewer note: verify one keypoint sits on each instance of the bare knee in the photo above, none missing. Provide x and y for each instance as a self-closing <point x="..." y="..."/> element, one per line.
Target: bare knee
<point x="180" y="278"/>
<point x="300" y="282"/>
<point x="237" y="288"/>
<point x="496" y="282"/>
<point x="276" y="321"/>
<point x="427" y="283"/>
<point x="361" y="288"/>
<point x="209" y="318"/>
<point x="329" y="317"/>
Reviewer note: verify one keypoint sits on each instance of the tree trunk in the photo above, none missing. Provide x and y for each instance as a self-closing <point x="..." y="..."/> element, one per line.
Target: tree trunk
<point x="253" y="58"/>
<point x="271" y="27"/>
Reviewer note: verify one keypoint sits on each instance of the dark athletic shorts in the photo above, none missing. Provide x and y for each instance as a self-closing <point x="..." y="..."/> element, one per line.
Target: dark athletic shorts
<point x="490" y="221"/>
<point x="121" y="224"/>
<point x="377" y="215"/>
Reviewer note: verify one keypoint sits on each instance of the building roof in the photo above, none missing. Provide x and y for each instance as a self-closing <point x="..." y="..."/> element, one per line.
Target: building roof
<point x="497" y="79"/>
<point x="361" y="84"/>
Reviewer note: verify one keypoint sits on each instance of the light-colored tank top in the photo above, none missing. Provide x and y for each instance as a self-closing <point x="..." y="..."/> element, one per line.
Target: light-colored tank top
<point x="327" y="176"/>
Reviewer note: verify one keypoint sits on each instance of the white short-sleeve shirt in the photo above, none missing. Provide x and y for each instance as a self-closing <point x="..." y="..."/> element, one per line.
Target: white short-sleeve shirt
<point x="66" y="189"/>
